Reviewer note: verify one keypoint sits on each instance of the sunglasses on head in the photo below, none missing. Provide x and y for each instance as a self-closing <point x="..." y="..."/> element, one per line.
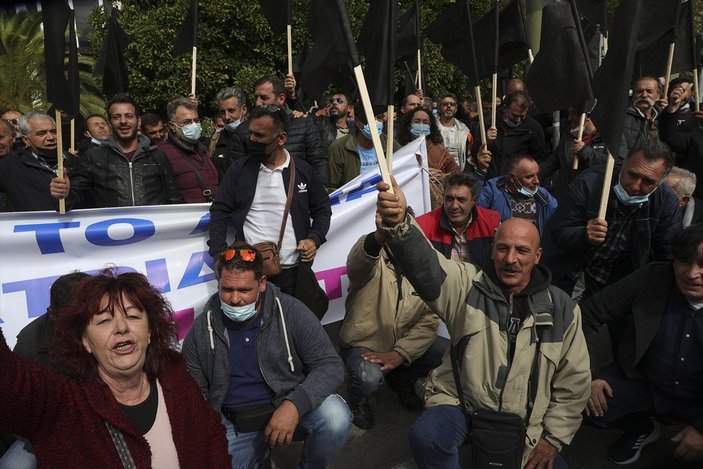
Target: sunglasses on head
<point x="247" y="255"/>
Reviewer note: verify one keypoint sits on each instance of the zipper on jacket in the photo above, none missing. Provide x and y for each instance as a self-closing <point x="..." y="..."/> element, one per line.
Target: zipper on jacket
<point x="509" y="359"/>
<point x="131" y="183"/>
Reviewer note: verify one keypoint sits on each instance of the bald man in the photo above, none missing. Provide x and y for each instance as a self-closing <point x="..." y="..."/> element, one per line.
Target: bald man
<point x="516" y="339"/>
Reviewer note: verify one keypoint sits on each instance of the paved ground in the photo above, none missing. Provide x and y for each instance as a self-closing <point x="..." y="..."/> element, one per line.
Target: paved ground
<point x="386" y="446"/>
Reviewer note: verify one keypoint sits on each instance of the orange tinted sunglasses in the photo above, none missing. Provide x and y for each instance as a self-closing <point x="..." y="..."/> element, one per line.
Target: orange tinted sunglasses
<point x="247" y="255"/>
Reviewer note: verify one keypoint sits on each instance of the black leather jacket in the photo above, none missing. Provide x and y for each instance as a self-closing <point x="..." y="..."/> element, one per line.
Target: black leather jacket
<point x="104" y="177"/>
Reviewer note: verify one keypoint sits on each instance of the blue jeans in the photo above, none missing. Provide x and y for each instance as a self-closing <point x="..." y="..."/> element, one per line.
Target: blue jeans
<point x="437" y="434"/>
<point x="324" y="430"/>
<point x="365" y="377"/>
<point x="17" y="457"/>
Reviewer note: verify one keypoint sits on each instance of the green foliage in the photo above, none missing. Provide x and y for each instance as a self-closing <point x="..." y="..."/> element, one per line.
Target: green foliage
<point x="22" y="72"/>
<point x="236" y="47"/>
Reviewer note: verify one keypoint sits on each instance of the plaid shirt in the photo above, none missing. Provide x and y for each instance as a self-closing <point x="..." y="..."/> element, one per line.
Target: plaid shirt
<point x="616" y="246"/>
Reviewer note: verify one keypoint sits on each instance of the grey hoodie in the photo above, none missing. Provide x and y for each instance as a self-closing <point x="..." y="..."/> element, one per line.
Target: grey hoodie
<point x="304" y="369"/>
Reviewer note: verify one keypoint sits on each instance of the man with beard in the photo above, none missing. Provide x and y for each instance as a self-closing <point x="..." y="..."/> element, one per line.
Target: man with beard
<point x="253" y="194"/>
<point x="642" y="116"/>
<point x="26" y="175"/>
<point x="126" y="171"/>
<point x="336" y="125"/>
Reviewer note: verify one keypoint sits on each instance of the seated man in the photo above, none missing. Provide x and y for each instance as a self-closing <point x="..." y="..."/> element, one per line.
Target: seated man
<point x="641" y="219"/>
<point x="657" y="369"/>
<point x="388" y="333"/>
<point x="518" y="193"/>
<point x="264" y="361"/>
<point x="459" y="229"/>
<point x="516" y="340"/>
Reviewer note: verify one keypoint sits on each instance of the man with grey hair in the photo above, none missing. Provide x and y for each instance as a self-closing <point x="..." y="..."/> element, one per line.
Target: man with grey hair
<point x="683" y="183"/>
<point x="232" y="103"/>
<point x="642" y="117"/>
<point x="196" y="175"/>
<point x="26" y="175"/>
<point x="455" y="133"/>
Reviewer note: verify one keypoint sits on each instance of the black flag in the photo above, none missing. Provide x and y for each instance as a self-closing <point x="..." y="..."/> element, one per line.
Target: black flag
<point x="56" y="16"/>
<point x="409" y="38"/>
<point x="652" y="60"/>
<point x="327" y="62"/>
<point x="559" y="75"/>
<point x="74" y="84"/>
<point x="278" y="13"/>
<point x="636" y="26"/>
<point x="450" y="30"/>
<point x="595" y="12"/>
<point x="377" y="44"/>
<point x="111" y="64"/>
<point x="188" y="34"/>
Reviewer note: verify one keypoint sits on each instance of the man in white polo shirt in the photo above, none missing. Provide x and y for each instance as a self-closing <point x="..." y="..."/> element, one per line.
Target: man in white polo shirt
<point x="252" y="198"/>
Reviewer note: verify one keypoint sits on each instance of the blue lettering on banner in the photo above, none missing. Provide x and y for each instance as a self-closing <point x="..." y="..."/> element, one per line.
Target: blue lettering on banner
<point x="97" y="233"/>
<point x="48" y="235"/>
<point x="203" y="225"/>
<point x="192" y="276"/>
<point x="157" y="273"/>
<point x="365" y="186"/>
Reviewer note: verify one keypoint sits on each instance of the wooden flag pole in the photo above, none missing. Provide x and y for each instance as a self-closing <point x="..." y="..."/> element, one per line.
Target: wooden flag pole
<point x="193" y="69"/>
<point x="582" y="123"/>
<point x="371" y="119"/>
<point x="696" y="92"/>
<point x="289" y="33"/>
<point x="419" y="70"/>
<point x="73" y="135"/>
<point x="482" y="123"/>
<point x="605" y="194"/>
<point x="390" y="124"/>
<point x="494" y="103"/>
<point x="59" y="155"/>
<point x="669" y="63"/>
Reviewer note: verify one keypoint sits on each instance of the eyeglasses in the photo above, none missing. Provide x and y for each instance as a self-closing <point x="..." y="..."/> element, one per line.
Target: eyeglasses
<point x="448" y="104"/>
<point x="337" y="100"/>
<point x="13" y="121"/>
<point x="247" y="255"/>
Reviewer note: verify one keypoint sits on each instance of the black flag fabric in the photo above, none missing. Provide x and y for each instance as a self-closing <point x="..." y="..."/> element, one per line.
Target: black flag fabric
<point x="278" y="13"/>
<point x="111" y="63"/>
<point x="56" y="16"/>
<point x="652" y="60"/>
<point x="327" y="62"/>
<point x="74" y="84"/>
<point x="187" y="36"/>
<point x="409" y="38"/>
<point x="449" y="30"/>
<point x="595" y="11"/>
<point x="637" y="25"/>
<point x="559" y="75"/>
<point x="377" y="44"/>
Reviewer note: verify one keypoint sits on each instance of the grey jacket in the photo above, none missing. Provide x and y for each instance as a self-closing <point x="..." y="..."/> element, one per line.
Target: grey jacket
<point x="305" y="369"/>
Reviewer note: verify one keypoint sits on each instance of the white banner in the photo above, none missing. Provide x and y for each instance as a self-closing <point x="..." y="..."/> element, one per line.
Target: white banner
<point x="168" y="244"/>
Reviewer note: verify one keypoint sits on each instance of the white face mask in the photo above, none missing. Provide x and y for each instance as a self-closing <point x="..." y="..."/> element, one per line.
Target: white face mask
<point x="234" y="124"/>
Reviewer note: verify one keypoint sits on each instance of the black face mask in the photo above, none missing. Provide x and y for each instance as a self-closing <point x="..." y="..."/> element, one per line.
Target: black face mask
<point x="258" y="150"/>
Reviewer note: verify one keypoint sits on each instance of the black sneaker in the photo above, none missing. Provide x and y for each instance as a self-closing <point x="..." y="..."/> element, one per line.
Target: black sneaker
<point x="406" y="392"/>
<point x="362" y="415"/>
<point x="627" y="448"/>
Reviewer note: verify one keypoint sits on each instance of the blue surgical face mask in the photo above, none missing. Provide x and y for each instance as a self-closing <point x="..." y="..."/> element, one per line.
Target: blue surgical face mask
<point x="239" y="313"/>
<point x="628" y="199"/>
<point x="367" y="130"/>
<point x="234" y="124"/>
<point x="191" y="132"/>
<point x="96" y="141"/>
<point x="418" y="129"/>
<point x="510" y="123"/>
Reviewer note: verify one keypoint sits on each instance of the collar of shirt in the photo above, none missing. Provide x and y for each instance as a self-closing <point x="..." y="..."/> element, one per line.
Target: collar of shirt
<point x="264" y="169"/>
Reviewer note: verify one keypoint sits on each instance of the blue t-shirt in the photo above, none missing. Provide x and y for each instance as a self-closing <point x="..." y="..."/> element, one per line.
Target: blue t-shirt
<point x="367" y="157"/>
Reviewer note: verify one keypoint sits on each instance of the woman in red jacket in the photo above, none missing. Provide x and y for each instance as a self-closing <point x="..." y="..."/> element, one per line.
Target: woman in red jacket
<point x="124" y="398"/>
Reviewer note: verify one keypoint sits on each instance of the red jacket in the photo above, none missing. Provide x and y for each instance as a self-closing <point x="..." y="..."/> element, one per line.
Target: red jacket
<point x="186" y="179"/>
<point x="64" y="419"/>
<point x="479" y="233"/>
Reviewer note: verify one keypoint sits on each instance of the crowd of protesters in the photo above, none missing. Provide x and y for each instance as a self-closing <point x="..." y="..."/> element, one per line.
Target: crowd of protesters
<point x="519" y="241"/>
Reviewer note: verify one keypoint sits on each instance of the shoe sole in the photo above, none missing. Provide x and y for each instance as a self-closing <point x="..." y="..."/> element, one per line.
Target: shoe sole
<point x="654" y="436"/>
